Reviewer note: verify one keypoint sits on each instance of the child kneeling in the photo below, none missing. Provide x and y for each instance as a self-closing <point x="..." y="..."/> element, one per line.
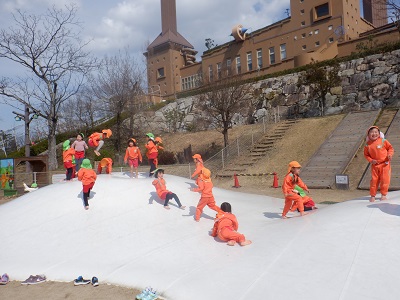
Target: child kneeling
<point x="161" y="189"/>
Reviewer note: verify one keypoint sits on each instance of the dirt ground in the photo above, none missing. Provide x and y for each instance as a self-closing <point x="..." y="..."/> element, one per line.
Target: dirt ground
<point x="300" y="142"/>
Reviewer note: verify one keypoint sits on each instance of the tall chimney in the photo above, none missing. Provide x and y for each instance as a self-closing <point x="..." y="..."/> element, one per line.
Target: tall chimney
<point x="168" y="16"/>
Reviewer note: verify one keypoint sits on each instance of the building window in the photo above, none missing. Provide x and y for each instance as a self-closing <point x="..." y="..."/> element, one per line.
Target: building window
<point x="322" y="11"/>
<point x="302" y="12"/>
<point x="259" y="59"/>
<point x="249" y="62"/>
<point x="219" y="70"/>
<point x="271" y="55"/>
<point x="229" y="67"/>
<point x="238" y="65"/>
<point x="304" y="47"/>
<point x="303" y="23"/>
<point x="303" y="35"/>
<point x="283" y="51"/>
<point x="210" y="73"/>
<point x="316" y="31"/>
<point x="331" y="40"/>
<point x="316" y="43"/>
<point x="160" y="73"/>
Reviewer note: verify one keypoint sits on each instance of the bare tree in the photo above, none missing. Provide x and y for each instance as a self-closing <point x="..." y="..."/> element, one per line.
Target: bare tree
<point x="320" y="80"/>
<point x="223" y="99"/>
<point x="48" y="46"/>
<point x="118" y="85"/>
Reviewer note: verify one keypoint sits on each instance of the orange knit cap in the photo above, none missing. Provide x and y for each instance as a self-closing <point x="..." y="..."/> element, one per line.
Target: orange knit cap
<point x="206" y="173"/>
<point x="293" y="164"/>
<point x="108" y="132"/>
<point x="198" y="156"/>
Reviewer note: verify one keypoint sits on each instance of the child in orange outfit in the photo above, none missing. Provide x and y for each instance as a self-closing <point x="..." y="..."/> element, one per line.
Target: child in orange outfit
<point x="105" y="163"/>
<point x="161" y="189"/>
<point x="226" y="226"/>
<point x="379" y="152"/>
<point x="68" y="159"/>
<point x="205" y="188"/>
<point x="199" y="166"/>
<point x="96" y="140"/>
<point x="288" y="187"/>
<point x="88" y="177"/>
<point x="152" y="153"/>
<point x="133" y="156"/>
<point x="308" y="202"/>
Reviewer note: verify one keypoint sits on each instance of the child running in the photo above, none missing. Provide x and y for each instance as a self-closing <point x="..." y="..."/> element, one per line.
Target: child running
<point x="152" y="153"/>
<point x="79" y="145"/>
<point x="199" y="166"/>
<point x="68" y="159"/>
<point x="88" y="177"/>
<point x="379" y="152"/>
<point x="205" y="187"/>
<point x="96" y="140"/>
<point x="226" y="226"/>
<point x="161" y="189"/>
<point x="133" y="156"/>
<point x="288" y="187"/>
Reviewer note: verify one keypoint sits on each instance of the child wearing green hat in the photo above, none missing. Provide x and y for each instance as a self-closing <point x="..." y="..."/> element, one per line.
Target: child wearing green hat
<point x="88" y="177"/>
<point x="68" y="159"/>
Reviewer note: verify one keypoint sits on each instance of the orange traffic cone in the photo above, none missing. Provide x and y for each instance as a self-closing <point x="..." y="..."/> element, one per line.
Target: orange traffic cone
<point x="275" y="183"/>
<point x="235" y="181"/>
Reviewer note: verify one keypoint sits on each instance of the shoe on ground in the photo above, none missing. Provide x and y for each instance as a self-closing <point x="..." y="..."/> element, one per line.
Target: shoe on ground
<point x="4" y="279"/>
<point x="166" y="207"/>
<point x="34" y="279"/>
<point x="81" y="281"/>
<point x="182" y="207"/>
<point x="152" y="295"/>
<point x="95" y="281"/>
<point x="143" y="294"/>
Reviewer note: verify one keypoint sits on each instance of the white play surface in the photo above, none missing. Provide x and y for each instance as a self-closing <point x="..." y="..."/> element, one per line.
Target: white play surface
<point x="346" y="251"/>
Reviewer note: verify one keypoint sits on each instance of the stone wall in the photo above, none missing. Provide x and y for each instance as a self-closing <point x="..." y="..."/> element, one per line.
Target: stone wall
<point x="366" y="83"/>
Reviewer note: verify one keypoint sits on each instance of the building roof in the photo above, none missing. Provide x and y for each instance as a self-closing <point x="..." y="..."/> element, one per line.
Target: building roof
<point x="170" y="36"/>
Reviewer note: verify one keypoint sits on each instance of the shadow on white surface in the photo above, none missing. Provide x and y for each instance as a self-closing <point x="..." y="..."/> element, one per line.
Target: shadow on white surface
<point x="344" y="251"/>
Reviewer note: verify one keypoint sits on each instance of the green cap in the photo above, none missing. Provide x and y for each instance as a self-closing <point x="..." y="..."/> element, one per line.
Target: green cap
<point x="66" y="145"/>
<point x="150" y="135"/>
<point x="86" y="164"/>
<point x="34" y="185"/>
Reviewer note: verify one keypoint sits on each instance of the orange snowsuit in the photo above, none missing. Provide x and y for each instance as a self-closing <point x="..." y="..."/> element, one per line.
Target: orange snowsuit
<point x="225" y="227"/>
<point x="288" y="185"/>
<point x="68" y="155"/>
<point x="161" y="187"/>
<point x="207" y="197"/>
<point x="133" y="153"/>
<point x="87" y="176"/>
<point x="199" y="167"/>
<point x="152" y="150"/>
<point x="381" y="171"/>
<point x="94" y="139"/>
<point x="105" y="162"/>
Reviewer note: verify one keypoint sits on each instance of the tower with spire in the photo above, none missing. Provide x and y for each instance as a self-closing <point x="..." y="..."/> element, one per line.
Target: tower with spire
<point x="167" y="54"/>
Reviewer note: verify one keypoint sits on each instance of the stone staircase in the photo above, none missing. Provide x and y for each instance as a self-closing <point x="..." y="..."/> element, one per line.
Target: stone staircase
<point x="392" y="134"/>
<point x="243" y="163"/>
<point x="338" y="150"/>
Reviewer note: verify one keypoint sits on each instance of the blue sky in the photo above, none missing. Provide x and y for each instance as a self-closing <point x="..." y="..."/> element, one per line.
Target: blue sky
<point x="114" y="25"/>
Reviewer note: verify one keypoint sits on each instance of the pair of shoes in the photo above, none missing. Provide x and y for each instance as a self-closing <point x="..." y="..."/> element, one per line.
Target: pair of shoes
<point x="4" y="279"/>
<point x="147" y="294"/>
<point x="81" y="281"/>
<point x="34" y="279"/>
